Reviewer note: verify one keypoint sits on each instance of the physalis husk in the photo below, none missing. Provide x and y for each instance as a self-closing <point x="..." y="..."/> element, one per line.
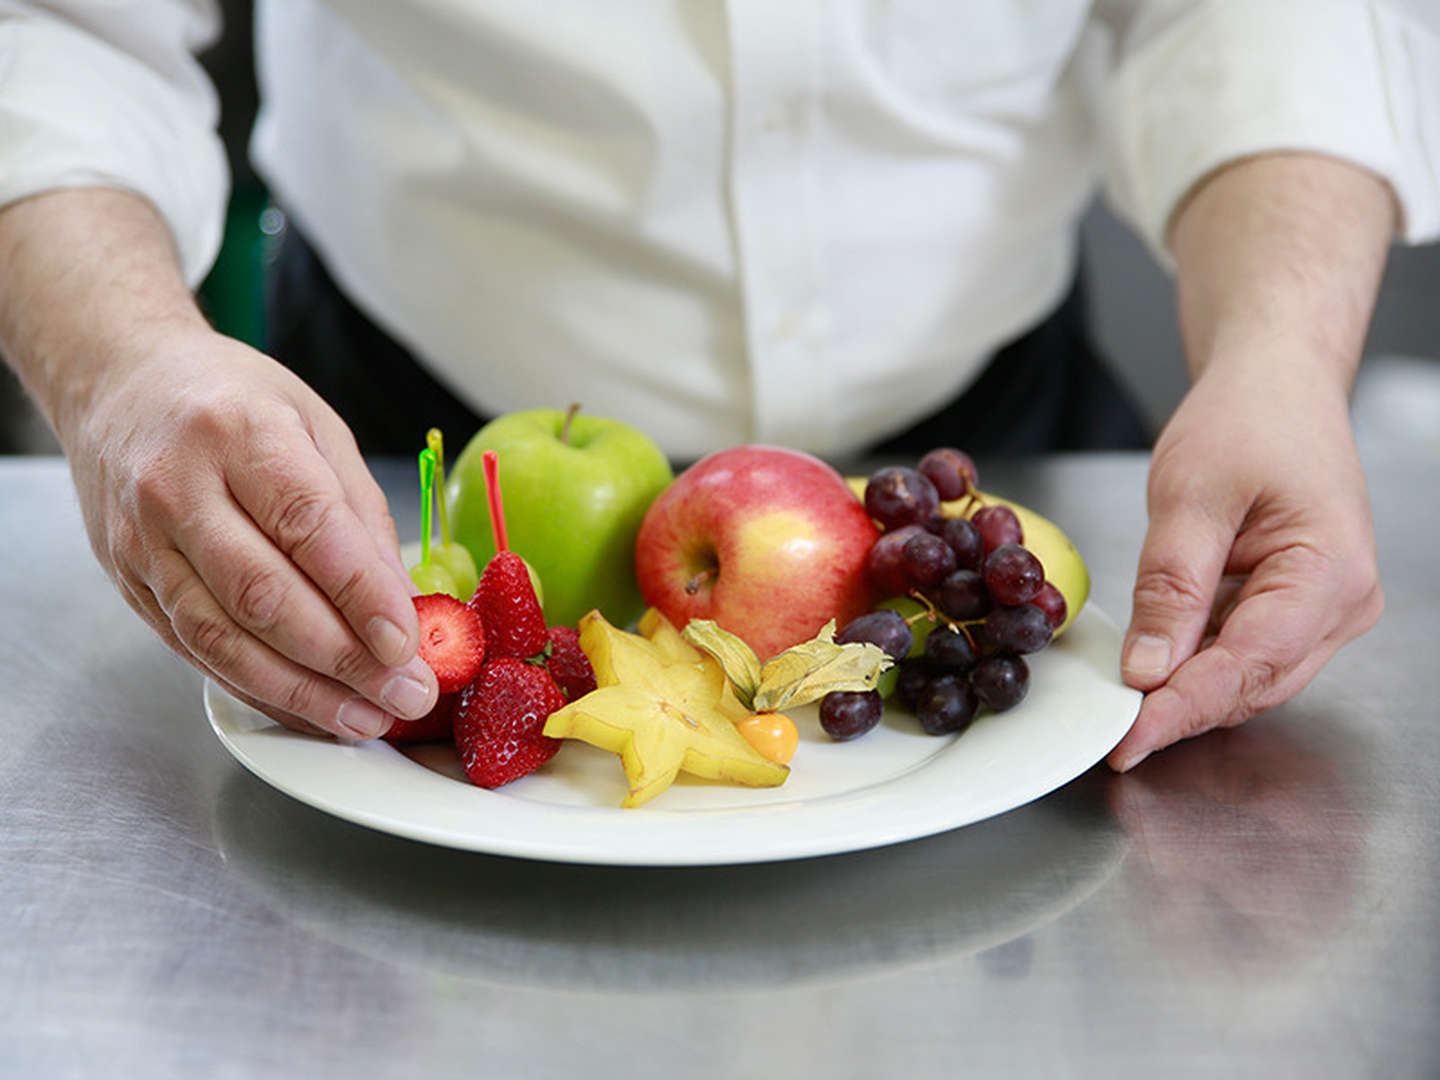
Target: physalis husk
<point x="801" y="674"/>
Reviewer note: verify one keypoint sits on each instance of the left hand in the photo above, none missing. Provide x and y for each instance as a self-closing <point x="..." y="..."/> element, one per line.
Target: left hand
<point x="1259" y="562"/>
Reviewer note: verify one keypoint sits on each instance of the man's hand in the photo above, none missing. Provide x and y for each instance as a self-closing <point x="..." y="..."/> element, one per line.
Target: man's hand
<point x="227" y="501"/>
<point x="235" y="513"/>
<point x="1259" y="562"/>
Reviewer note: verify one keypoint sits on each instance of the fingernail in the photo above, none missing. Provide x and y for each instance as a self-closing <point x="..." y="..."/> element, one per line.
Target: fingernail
<point x="362" y="719"/>
<point x="405" y="696"/>
<point x="387" y="641"/>
<point x="1129" y="763"/>
<point x="1148" y="655"/>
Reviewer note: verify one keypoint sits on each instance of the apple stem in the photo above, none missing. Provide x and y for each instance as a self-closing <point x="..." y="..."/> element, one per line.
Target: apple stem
<point x="436" y="442"/>
<point x="569" y="416"/>
<point x="427" y="490"/>
<point x="693" y="585"/>
<point x="490" y="461"/>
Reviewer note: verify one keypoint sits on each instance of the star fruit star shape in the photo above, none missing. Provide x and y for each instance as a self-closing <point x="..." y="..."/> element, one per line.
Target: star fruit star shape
<point x="662" y="712"/>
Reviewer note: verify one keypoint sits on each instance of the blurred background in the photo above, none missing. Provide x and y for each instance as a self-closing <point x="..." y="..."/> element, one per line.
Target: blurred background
<point x="1397" y="397"/>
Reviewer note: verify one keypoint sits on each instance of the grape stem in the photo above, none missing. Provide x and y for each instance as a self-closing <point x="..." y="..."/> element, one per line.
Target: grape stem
<point x="931" y="612"/>
<point x="934" y="614"/>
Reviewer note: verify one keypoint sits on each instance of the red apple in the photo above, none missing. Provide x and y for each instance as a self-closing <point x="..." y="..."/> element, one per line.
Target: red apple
<point x="770" y="543"/>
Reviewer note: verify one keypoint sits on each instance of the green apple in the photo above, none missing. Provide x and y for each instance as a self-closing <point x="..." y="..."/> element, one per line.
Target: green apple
<point x="575" y="488"/>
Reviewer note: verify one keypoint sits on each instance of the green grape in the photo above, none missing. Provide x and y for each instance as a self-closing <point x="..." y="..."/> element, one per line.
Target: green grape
<point x="434" y="578"/>
<point x="886" y="683"/>
<point x="535" y="581"/>
<point x="909" y="607"/>
<point x="456" y="558"/>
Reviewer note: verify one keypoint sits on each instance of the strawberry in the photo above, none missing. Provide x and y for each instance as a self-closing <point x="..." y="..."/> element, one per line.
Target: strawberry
<point x="505" y="599"/>
<point x="452" y="640"/>
<point x="499" y="722"/>
<point x="567" y="663"/>
<point x="437" y="724"/>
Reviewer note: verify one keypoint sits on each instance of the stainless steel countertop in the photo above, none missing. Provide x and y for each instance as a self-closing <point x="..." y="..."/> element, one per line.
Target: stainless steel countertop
<point x="1258" y="902"/>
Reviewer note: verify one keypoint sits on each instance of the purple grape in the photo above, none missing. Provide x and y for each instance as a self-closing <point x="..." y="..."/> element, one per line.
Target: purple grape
<point x="1051" y="601"/>
<point x="915" y="673"/>
<point x="927" y="560"/>
<point x="949" y="650"/>
<point x="998" y="525"/>
<point x="1000" y="681"/>
<point x="897" y="496"/>
<point x="1012" y="574"/>
<point x="950" y="470"/>
<point x="946" y="705"/>
<point x="848" y="714"/>
<point x="963" y="596"/>
<point x="965" y="540"/>
<point x="1023" y="628"/>
<point x="884" y="628"/>
<point x="885" y="562"/>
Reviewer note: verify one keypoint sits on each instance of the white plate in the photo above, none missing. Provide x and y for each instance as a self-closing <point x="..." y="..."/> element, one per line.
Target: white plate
<point x="895" y="783"/>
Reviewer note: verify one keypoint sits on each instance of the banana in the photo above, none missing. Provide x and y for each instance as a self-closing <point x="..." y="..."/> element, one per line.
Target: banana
<point x="1064" y="568"/>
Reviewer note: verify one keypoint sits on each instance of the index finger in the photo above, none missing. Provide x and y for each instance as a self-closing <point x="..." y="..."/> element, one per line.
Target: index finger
<point x="1278" y="635"/>
<point x="298" y="501"/>
<point x="337" y="446"/>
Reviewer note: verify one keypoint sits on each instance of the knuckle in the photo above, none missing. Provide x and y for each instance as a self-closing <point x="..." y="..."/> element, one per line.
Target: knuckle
<point x="1260" y="678"/>
<point x="299" y="697"/>
<point x="1361" y="584"/>
<point x="1168" y="588"/>
<point x="155" y="490"/>
<point x="351" y="664"/>
<point x="351" y="589"/>
<point x="259" y="599"/>
<point x="1373" y="609"/>
<point x="215" y="416"/>
<point x="300" y="517"/>
<point x="213" y="639"/>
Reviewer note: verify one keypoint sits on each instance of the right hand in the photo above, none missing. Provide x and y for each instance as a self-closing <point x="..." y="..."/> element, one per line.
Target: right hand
<point x="233" y="509"/>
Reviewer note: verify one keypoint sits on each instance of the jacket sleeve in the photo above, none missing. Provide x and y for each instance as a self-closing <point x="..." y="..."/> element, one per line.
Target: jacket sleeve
<point x="1199" y="83"/>
<point x="111" y="95"/>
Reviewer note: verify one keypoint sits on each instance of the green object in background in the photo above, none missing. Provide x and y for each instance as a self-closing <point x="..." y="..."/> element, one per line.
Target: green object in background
<point x="233" y="294"/>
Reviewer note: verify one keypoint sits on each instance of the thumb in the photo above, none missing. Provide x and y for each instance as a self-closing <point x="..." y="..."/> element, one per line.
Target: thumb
<point x="1181" y="563"/>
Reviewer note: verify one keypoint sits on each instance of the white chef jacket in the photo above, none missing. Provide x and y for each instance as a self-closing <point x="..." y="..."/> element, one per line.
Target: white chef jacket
<point x="797" y="221"/>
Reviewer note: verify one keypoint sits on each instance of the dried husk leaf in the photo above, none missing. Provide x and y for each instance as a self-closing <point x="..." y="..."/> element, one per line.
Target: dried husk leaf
<point x="807" y="672"/>
<point x="737" y="659"/>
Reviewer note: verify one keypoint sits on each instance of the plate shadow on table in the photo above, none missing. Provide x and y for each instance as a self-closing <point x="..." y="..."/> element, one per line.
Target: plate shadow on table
<point x="513" y="921"/>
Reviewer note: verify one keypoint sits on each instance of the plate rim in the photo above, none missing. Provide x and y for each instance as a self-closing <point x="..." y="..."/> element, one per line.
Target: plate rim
<point x="652" y="836"/>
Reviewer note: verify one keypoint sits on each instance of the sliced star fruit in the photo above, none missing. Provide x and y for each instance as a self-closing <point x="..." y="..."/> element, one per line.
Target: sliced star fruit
<point x="663" y="714"/>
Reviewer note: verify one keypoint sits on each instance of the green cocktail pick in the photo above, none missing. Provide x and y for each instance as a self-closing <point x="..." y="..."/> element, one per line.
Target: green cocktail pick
<point x="430" y="577"/>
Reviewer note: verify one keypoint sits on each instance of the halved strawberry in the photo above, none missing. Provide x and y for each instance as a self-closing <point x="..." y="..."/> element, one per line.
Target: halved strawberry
<point x="452" y="640"/>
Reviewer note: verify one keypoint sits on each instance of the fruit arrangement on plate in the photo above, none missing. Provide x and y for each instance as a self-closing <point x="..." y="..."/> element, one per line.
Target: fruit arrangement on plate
<point x="675" y="621"/>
